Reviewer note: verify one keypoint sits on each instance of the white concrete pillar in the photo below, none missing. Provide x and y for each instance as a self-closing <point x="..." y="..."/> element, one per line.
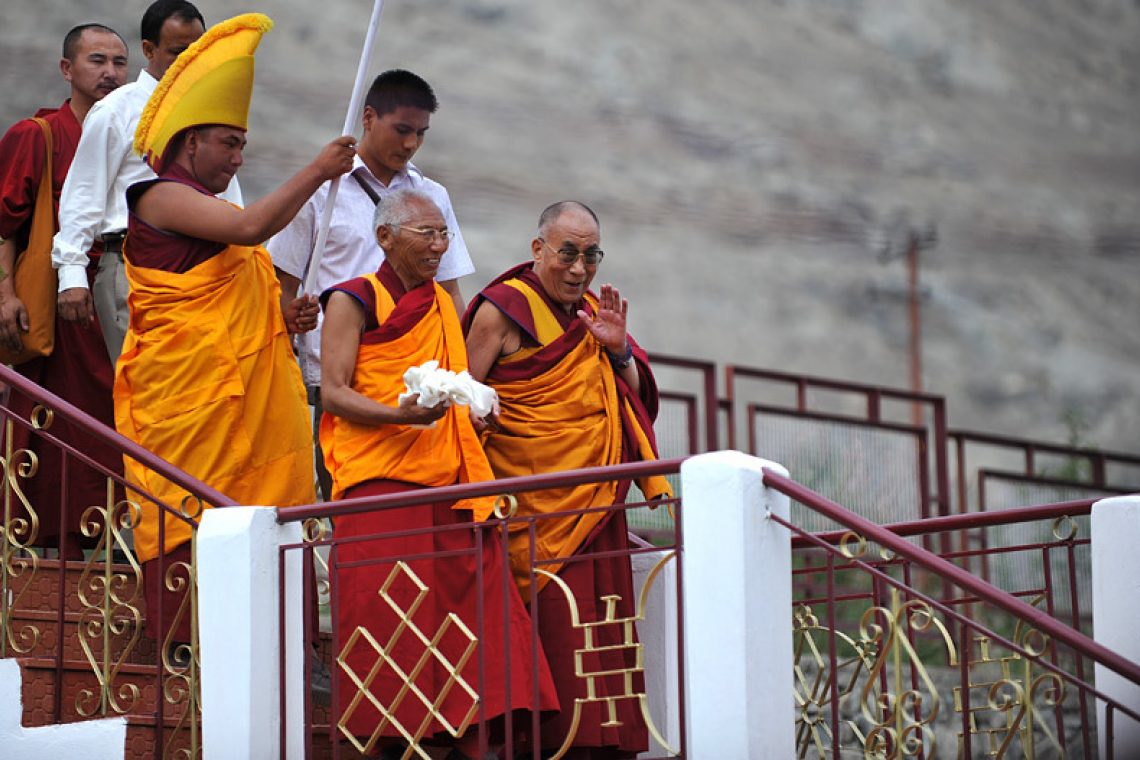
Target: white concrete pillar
<point x="1116" y="612"/>
<point x="238" y="634"/>
<point x="737" y="611"/>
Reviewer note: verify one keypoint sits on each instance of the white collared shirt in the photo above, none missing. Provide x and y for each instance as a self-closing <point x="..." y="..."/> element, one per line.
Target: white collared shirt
<point x="351" y="249"/>
<point x="93" y="201"/>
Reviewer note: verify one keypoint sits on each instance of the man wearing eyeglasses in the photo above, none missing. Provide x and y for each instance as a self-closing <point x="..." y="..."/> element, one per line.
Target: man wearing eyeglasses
<point x="576" y="391"/>
<point x="397" y="113"/>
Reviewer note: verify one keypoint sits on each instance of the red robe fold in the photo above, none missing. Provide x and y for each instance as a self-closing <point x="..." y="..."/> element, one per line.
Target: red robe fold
<point x="78" y="369"/>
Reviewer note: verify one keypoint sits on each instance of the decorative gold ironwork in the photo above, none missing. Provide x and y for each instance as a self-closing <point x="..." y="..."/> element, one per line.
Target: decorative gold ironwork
<point x="19" y="564"/>
<point x="181" y="684"/>
<point x="506" y="506"/>
<point x="852" y="545"/>
<point x="627" y="633"/>
<point x="1064" y="528"/>
<point x="111" y="619"/>
<point x="870" y="668"/>
<point x="401" y="572"/>
<point x="110" y="586"/>
<point x="312" y="530"/>
<point x="1012" y="698"/>
<point x="191" y="507"/>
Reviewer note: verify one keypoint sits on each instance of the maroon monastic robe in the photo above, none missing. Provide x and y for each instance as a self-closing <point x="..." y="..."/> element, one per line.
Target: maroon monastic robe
<point x="548" y="391"/>
<point x="78" y="370"/>
<point x="401" y="329"/>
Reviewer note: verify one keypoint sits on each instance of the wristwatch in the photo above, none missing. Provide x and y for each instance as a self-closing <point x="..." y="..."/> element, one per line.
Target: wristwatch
<point x="623" y="361"/>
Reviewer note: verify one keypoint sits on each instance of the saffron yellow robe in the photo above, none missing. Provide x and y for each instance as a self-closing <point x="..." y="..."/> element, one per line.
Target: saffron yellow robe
<point x="207" y="381"/>
<point x="447" y="453"/>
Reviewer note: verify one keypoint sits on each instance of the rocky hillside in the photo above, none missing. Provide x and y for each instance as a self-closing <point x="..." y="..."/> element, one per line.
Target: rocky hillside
<point x="758" y="166"/>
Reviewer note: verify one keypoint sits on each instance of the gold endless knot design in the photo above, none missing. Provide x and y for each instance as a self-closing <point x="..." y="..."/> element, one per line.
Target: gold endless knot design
<point x="401" y="573"/>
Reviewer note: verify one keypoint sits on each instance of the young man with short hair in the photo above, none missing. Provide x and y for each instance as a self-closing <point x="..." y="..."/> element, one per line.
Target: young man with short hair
<point x="93" y="205"/>
<point x="94" y="64"/>
<point x="397" y="112"/>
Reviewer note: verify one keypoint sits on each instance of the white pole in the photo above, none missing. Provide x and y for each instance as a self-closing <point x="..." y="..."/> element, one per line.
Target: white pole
<point x="351" y="119"/>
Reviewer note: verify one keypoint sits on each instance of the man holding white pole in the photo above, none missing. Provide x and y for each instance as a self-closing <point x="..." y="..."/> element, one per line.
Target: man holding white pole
<point x="396" y="117"/>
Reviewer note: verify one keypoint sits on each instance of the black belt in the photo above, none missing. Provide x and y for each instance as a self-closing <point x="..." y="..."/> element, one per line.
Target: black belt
<point x="113" y="242"/>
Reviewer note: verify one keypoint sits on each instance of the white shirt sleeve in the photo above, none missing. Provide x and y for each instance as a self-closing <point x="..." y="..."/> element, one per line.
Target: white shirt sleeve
<point x="292" y="247"/>
<point x="83" y="200"/>
<point x="457" y="261"/>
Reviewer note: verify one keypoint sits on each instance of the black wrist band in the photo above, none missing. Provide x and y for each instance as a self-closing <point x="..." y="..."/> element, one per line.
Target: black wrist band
<point x="623" y="361"/>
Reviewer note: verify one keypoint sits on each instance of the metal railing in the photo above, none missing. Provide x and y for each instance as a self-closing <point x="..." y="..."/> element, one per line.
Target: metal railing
<point x="887" y="641"/>
<point x="598" y="635"/>
<point x="78" y="621"/>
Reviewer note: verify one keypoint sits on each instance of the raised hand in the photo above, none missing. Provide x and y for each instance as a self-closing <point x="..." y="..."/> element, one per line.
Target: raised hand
<point x="335" y="158"/>
<point x="608" y="324"/>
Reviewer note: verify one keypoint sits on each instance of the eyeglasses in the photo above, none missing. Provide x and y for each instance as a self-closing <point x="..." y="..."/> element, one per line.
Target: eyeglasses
<point x="429" y="234"/>
<point x="590" y="257"/>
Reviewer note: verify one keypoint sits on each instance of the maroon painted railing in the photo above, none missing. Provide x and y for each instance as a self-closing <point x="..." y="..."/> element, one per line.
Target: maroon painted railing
<point x="711" y="405"/>
<point x="956" y="575"/>
<point x="627" y="471"/>
<point x="1101" y="463"/>
<point x="322" y="737"/>
<point x="124" y="660"/>
<point x="904" y="555"/>
<point x="885" y="409"/>
<point x="965" y="522"/>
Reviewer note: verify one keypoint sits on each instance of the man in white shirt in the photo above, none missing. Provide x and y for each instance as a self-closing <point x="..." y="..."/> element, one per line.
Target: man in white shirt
<point x="397" y="113"/>
<point x="93" y="203"/>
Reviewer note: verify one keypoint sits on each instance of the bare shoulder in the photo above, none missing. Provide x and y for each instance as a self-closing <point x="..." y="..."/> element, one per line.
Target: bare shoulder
<point x="490" y="322"/>
<point x="491" y="336"/>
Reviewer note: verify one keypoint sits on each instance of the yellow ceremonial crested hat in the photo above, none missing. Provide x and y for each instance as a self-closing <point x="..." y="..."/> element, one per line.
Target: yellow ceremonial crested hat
<point x="209" y="83"/>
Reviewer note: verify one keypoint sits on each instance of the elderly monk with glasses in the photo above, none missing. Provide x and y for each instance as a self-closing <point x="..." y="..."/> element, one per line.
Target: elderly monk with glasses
<point x="575" y="391"/>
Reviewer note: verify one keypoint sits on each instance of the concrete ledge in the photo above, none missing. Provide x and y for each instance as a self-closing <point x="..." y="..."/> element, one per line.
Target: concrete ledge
<point x="104" y="739"/>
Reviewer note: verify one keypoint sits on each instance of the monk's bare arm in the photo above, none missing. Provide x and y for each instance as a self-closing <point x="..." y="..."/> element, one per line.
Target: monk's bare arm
<point x="452" y="288"/>
<point x="290" y="285"/>
<point x="491" y="335"/>
<point x="340" y="340"/>
<point x="174" y="207"/>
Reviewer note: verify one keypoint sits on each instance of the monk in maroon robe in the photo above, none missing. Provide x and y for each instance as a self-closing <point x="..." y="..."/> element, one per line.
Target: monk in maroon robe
<point x="575" y="391"/>
<point x="94" y="63"/>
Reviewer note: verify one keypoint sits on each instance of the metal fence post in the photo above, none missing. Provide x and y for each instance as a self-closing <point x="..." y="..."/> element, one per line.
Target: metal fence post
<point x="737" y="611"/>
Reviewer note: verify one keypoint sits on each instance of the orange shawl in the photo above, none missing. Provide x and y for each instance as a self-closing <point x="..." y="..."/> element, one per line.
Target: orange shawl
<point x="442" y="455"/>
<point x="207" y="381"/>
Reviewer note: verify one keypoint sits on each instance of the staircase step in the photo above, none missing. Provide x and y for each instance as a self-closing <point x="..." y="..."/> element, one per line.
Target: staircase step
<point x="36" y="620"/>
<point x="78" y="679"/>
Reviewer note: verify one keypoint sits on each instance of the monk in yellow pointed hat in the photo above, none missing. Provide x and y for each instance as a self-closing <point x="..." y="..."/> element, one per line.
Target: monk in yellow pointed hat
<point x="207" y="378"/>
